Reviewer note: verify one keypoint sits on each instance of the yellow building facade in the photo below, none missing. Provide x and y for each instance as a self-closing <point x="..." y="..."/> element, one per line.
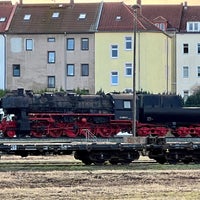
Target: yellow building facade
<point x="114" y="61"/>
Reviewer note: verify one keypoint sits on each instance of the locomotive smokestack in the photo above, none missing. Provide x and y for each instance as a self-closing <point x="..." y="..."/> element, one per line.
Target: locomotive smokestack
<point x="20" y="91"/>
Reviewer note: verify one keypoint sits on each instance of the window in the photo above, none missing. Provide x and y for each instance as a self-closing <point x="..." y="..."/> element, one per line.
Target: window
<point x="16" y="70"/>
<point x="82" y="16"/>
<point x="51" y="82"/>
<point x="118" y="18"/>
<point x="70" y="44"/>
<point x="27" y="17"/>
<point x="51" y="39"/>
<point x="29" y="44"/>
<point x="114" y="78"/>
<point x="114" y="51"/>
<point x="84" y="43"/>
<point x="55" y="15"/>
<point x="70" y="70"/>
<point x="193" y="26"/>
<point x="198" y="48"/>
<point x="84" y="70"/>
<point x="2" y="19"/>
<point x="128" y="43"/>
<point x="198" y="71"/>
<point x="128" y="69"/>
<point x="185" y="48"/>
<point x="185" y="72"/>
<point x="127" y="104"/>
<point x="51" y="56"/>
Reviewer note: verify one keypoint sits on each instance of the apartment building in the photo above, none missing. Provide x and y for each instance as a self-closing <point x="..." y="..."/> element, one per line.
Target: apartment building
<point x="51" y="46"/>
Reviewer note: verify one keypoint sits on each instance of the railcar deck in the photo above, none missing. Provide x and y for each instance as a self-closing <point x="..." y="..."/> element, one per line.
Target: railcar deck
<point x="163" y="150"/>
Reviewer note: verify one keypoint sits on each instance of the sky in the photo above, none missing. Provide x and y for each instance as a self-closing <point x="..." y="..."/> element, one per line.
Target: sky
<point x="190" y="2"/>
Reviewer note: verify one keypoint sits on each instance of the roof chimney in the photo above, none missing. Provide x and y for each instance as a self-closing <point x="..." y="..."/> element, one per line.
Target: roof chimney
<point x="21" y="2"/>
<point x="72" y="2"/>
<point x="185" y="5"/>
<point x="139" y="2"/>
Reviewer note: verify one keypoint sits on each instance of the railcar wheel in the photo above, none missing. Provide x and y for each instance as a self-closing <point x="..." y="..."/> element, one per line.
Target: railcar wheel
<point x="99" y="162"/>
<point x="54" y="132"/>
<point x="37" y="134"/>
<point x="126" y="161"/>
<point x="86" y="161"/>
<point x="161" y="160"/>
<point x="172" y="161"/>
<point x="186" y="161"/>
<point x="11" y="133"/>
<point x="105" y="132"/>
<point x="70" y="133"/>
<point x="114" y="161"/>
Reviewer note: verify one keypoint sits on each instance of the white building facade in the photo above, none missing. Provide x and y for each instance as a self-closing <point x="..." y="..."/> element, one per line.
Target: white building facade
<point x="187" y="63"/>
<point x="2" y="61"/>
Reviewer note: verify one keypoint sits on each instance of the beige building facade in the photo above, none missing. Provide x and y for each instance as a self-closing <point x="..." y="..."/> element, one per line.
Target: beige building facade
<point x="51" y="47"/>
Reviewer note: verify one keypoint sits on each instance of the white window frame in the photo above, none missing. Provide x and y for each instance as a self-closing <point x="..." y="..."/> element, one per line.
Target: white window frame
<point x="185" y="72"/>
<point x="128" y="66"/>
<point x="193" y="26"/>
<point x="113" y="76"/>
<point x="114" y="48"/>
<point x="128" y="40"/>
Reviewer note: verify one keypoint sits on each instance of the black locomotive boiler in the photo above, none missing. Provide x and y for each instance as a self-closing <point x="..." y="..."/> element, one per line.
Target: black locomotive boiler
<point x="71" y="115"/>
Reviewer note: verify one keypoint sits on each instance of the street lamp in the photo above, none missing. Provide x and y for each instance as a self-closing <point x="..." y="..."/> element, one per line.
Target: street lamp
<point x="135" y="7"/>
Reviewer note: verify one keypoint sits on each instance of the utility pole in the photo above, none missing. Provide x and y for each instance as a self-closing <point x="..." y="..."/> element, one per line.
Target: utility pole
<point x="135" y="7"/>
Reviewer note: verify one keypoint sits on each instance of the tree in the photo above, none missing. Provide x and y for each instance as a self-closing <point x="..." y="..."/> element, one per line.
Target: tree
<point x="194" y="99"/>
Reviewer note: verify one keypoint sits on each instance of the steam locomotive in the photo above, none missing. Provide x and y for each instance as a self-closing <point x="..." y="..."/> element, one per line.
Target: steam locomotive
<point x="71" y="115"/>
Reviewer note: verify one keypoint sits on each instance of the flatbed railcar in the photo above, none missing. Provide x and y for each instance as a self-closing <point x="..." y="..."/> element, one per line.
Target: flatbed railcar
<point x="120" y="150"/>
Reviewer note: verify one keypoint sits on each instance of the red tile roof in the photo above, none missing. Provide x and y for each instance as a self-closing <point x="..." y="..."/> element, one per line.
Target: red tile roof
<point x="5" y="13"/>
<point x="41" y="20"/>
<point x="120" y="17"/>
<point x="191" y="14"/>
<point x="172" y="13"/>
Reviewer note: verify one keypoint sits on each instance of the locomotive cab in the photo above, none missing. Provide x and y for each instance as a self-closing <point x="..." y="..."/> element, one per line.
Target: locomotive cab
<point x="123" y="104"/>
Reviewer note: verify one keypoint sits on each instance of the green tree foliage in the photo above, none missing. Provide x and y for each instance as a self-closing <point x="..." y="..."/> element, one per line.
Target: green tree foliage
<point x="2" y="93"/>
<point x="193" y="100"/>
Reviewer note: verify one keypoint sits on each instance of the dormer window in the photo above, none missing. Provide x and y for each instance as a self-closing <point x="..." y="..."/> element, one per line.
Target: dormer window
<point x="55" y="15"/>
<point x="161" y="26"/>
<point x="193" y="26"/>
<point x="82" y="16"/>
<point x="27" y="17"/>
<point x="160" y="22"/>
<point x="2" y="19"/>
<point x="118" y="18"/>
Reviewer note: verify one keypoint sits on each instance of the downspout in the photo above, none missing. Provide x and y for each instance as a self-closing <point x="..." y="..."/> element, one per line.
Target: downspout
<point x="167" y="63"/>
<point x="139" y="69"/>
<point x="65" y="61"/>
<point x="5" y="64"/>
